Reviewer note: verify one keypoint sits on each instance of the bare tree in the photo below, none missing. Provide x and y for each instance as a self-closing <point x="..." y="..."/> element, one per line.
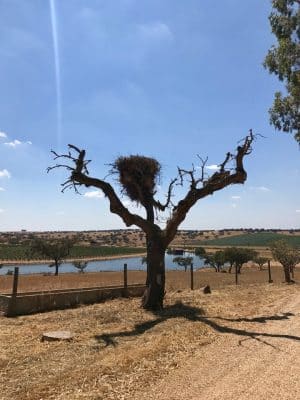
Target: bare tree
<point x="138" y="176"/>
<point x="80" y="265"/>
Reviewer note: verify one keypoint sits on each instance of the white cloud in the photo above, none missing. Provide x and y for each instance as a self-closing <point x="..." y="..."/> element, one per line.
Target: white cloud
<point x="155" y="30"/>
<point x="60" y="213"/>
<point x="97" y="194"/>
<point x="3" y="134"/>
<point x="2" y="189"/>
<point x="4" y="173"/>
<point x="15" y="143"/>
<point x="260" y="188"/>
<point x="1" y="210"/>
<point x="297" y="211"/>
<point x="235" y="197"/>
<point x="213" y="167"/>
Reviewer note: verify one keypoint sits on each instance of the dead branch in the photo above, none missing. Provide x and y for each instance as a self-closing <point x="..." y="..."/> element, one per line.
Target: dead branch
<point x="79" y="176"/>
<point x="162" y="207"/>
<point x="220" y="179"/>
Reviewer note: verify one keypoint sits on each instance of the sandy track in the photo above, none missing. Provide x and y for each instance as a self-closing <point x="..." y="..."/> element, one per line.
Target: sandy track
<point x="251" y="359"/>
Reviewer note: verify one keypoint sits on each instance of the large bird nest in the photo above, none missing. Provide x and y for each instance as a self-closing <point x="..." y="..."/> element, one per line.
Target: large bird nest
<point x="138" y="176"/>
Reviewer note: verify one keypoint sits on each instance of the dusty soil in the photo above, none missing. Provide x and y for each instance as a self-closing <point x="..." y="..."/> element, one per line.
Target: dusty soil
<point x="237" y="343"/>
<point x="256" y="357"/>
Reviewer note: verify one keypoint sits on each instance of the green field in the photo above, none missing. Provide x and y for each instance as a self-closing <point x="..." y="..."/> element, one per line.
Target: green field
<point x="263" y="239"/>
<point x="19" y="252"/>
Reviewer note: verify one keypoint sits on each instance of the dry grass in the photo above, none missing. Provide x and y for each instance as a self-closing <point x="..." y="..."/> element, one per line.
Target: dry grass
<point x="175" y="280"/>
<point x="120" y="348"/>
<point x="126" y="237"/>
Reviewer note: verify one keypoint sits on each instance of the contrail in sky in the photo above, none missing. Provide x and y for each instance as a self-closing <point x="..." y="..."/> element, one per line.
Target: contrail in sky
<point x="57" y="70"/>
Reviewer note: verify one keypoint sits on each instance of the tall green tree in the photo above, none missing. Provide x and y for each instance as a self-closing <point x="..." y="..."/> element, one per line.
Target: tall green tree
<point x="283" y="60"/>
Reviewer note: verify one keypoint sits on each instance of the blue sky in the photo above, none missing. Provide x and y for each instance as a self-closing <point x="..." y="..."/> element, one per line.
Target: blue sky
<point x="167" y="79"/>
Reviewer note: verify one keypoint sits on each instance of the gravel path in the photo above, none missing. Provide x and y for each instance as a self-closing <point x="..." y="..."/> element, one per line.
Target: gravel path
<point x="254" y="358"/>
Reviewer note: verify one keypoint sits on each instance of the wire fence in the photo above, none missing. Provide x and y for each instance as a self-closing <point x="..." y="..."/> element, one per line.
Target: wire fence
<point x="175" y="279"/>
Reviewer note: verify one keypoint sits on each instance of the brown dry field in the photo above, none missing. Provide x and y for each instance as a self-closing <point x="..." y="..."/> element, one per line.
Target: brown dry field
<point x="175" y="280"/>
<point x="127" y="237"/>
<point x="121" y="350"/>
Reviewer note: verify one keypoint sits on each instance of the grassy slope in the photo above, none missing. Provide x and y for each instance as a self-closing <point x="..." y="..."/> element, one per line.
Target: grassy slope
<point x="253" y="239"/>
<point x="18" y="252"/>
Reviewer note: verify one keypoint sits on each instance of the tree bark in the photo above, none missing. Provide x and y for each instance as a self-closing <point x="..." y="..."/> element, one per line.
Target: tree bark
<point x="155" y="292"/>
<point x="287" y="274"/>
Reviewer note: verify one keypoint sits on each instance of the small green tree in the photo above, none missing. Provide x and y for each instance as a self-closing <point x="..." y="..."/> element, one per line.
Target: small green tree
<point x="183" y="261"/>
<point x="288" y="257"/>
<point x="215" y="260"/>
<point x="220" y="259"/>
<point x="283" y="60"/>
<point x="230" y="256"/>
<point x="237" y="256"/>
<point x="243" y="256"/>
<point x="80" y="266"/>
<point x="200" y="252"/>
<point x="55" y="250"/>
<point x="260" y="261"/>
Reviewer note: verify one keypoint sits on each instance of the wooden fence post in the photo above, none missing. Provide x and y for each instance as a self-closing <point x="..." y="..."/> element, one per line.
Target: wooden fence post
<point x="15" y="282"/>
<point x="12" y="304"/>
<point x="236" y="273"/>
<point x="125" y="276"/>
<point x="269" y="271"/>
<point x="192" y="276"/>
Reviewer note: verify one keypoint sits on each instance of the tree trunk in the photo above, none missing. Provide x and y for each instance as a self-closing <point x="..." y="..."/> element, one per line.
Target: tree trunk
<point x="292" y="271"/>
<point x="287" y="274"/>
<point x="56" y="267"/>
<point x="155" y="292"/>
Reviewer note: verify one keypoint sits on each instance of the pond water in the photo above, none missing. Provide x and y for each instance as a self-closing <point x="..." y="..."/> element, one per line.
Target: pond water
<point x="133" y="263"/>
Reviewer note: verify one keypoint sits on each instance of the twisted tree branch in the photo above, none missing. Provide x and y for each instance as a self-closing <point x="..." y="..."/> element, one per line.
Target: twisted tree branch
<point x="219" y="180"/>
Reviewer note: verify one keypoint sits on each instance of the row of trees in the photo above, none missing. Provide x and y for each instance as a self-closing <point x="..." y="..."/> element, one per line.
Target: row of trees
<point x="231" y="256"/>
<point x="287" y="255"/>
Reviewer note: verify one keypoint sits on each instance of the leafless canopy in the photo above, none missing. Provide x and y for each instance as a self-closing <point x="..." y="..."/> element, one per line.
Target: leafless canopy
<point x="138" y="176"/>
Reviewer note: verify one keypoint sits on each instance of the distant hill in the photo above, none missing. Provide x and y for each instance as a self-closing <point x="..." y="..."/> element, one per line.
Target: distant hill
<point x="263" y="239"/>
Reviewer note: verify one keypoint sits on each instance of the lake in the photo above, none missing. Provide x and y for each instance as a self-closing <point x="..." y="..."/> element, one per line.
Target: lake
<point x="133" y="263"/>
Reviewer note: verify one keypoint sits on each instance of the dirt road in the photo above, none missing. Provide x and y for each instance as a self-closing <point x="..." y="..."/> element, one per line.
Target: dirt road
<point x="253" y="358"/>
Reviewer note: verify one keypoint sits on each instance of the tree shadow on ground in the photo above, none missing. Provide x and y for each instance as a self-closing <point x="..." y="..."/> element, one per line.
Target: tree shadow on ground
<point x="262" y="319"/>
<point x="180" y="310"/>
